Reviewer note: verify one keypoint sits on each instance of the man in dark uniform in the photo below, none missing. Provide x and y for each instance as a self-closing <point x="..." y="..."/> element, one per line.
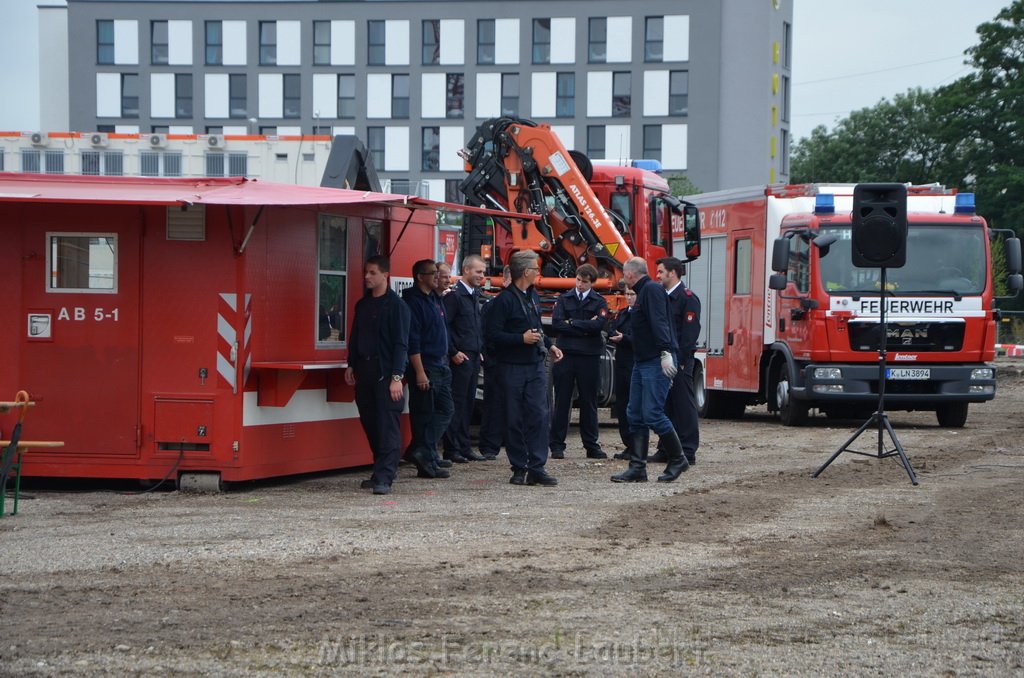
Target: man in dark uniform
<point x="430" y="379"/>
<point x="513" y="326"/>
<point x="378" y="352"/>
<point x="681" y="406"/>
<point x="620" y="335"/>
<point x="492" y="424"/>
<point x="654" y="348"/>
<point x="577" y="320"/>
<point x="465" y="344"/>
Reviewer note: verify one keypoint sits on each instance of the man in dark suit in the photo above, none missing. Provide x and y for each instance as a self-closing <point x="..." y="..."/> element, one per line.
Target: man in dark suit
<point x="492" y="423"/>
<point x="577" y="320"/>
<point x="465" y="344"/>
<point x="513" y="327"/>
<point x="378" y="353"/>
<point x="681" y="405"/>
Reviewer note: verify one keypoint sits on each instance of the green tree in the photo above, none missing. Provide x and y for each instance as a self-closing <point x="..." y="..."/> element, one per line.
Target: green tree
<point x="680" y="185"/>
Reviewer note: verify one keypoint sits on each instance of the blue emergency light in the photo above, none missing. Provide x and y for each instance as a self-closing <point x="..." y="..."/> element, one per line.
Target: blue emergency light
<point x="964" y="203"/>
<point x="824" y="203"/>
<point x="649" y="165"/>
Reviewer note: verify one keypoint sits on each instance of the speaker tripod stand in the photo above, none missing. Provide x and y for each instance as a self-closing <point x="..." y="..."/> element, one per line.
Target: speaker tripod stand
<point x="878" y="420"/>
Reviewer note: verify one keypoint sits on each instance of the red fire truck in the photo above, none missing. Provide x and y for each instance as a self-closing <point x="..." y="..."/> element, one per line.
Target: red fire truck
<point x="814" y="343"/>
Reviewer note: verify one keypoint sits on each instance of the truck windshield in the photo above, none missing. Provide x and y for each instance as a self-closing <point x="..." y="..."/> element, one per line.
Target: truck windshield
<point x="941" y="259"/>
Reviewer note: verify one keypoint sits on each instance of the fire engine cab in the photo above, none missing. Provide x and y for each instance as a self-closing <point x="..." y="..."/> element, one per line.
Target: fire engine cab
<point x="812" y="342"/>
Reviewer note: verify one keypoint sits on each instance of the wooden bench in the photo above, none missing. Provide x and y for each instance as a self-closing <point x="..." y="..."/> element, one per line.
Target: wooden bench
<point x="23" y="445"/>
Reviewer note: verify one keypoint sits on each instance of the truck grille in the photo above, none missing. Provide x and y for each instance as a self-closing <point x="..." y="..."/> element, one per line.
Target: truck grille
<point x="937" y="336"/>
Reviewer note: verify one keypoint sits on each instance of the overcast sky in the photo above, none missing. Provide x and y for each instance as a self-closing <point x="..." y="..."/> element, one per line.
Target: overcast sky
<point x="847" y="54"/>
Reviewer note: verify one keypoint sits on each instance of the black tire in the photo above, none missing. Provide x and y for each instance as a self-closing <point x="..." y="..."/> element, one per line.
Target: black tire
<point x="951" y="415"/>
<point x="700" y="393"/>
<point x="791" y="412"/>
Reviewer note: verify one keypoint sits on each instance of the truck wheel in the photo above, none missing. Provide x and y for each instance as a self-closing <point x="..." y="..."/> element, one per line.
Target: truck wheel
<point x="791" y="412"/>
<point x="951" y="415"/>
<point x="699" y="393"/>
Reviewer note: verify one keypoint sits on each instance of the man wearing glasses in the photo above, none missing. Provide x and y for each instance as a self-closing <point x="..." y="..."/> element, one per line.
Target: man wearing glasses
<point x="430" y="379"/>
<point x="513" y="327"/>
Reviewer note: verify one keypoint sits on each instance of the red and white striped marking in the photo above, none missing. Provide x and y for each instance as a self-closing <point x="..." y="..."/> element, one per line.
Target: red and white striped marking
<point x="1012" y="350"/>
<point x="231" y="352"/>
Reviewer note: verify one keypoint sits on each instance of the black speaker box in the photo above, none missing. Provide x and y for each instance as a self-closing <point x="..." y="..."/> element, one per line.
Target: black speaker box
<point x="879" y="225"/>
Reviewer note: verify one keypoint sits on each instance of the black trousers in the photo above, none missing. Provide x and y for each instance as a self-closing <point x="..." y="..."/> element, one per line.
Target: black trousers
<point x="681" y="408"/>
<point x="526" y="398"/>
<point x="464" y="380"/>
<point x="623" y="375"/>
<point x="430" y="411"/>
<point x="379" y="416"/>
<point x="492" y="426"/>
<point x="581" y="371"/>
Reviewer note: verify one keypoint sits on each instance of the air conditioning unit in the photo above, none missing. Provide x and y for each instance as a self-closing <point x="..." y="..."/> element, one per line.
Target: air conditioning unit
<point x="39" y="139"/>
<point x="157" y="141"/>
<point x="98" y="139"/>
<point x="215" y="141"/>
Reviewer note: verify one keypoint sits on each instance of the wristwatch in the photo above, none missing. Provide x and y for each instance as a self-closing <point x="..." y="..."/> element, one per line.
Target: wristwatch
<point x="396" y="377"/>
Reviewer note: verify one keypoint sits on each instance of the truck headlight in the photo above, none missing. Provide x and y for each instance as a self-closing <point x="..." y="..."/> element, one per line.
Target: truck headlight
<point x="828" y="373"/>
<point x="982" y="373"/>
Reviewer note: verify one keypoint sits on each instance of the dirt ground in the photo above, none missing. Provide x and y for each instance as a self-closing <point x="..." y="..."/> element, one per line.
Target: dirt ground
<point x="746" y="565"/>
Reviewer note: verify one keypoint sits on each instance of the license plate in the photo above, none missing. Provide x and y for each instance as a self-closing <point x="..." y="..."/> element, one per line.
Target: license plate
<point x="907" y="373"/>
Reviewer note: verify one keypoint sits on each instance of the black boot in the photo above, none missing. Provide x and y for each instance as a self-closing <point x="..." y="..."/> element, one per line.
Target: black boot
<point x="637" y="471"/>
<point x="676" y="461"/>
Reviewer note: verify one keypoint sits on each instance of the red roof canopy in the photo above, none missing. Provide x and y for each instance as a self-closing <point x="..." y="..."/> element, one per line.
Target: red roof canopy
<point x="59" y="188"/>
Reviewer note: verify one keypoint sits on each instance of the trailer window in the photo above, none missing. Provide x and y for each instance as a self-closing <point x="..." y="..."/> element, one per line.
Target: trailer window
<point x="81" y="262"/>
<point x="741" y="279"/>
<point x="333" y="257"/>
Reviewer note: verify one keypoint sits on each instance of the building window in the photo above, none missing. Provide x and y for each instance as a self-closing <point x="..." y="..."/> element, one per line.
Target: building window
<point x="268" y="130"/>
<point x="565" y="95"/>
<point x="431" y="149"/>
<point x="597" y="45"/>
<point x="375" y="43"/>
<point x="321" y="43"/>
<point x="510" y="94"/>
<point x="103" y="163"/>
<point x="784" y="142"/>
<point x="1" y="160"/>
<point x="183" y="95"/>
<point x="542" y="41"/>
<point x="237" y="100"/>
<point x="226" y="164"/>
<point x="787" y="44"/>
<point x="375" y="145"/>
<point x="400" y="96"/>
<point x="214" y="129"/>
<point x="158" y="42"/>
<point x="333" y="276"/>
<point x="400" y="186"/>
<point x="595" y="141"/>
<point x="321" y="131"/>
<point x="621" y="98"/>
<point x="679" y="93"/>
<point x="104" y="42"/>
<point x="214" y="43"/>
<point x="268" y="43"/>
<point x="156" y="164"/>
<point x="455" y="92"/>
<point x="81" y="263"/>
<point x="36" y="162"/>
<point x="654" y="40"/>
<point x="346" y="96"/>
<point x="159" y="129"/>
<point x="485" y="41"/>
<point x="652" y="142"/>
<point x="785" y="98"/>
<point x="129" y="95"/>
<point x="452" y="193"/>
<point x="431" y="42"/>
<point x="292" y="96"/>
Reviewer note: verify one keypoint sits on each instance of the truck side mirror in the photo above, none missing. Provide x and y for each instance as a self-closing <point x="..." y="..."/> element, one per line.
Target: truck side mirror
<point x="778" y="281"/>
<point x="780" y="255"/>
<point x="691" y="231"/>
<point x="824" y="241"/>
<point x="1012" y="248"/>
<point x="1015" y="283"/>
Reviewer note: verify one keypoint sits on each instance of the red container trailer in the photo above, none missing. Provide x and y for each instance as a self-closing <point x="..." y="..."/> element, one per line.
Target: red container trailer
<point x="194" y="326"/>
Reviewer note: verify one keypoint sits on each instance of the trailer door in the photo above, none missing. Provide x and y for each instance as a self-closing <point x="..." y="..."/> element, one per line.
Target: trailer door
<point x="79" y="353"/>
<point x="741" y="349"/>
